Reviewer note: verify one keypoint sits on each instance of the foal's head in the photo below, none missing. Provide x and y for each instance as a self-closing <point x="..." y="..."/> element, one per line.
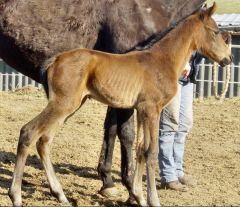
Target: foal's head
<point x="210" y="41"/>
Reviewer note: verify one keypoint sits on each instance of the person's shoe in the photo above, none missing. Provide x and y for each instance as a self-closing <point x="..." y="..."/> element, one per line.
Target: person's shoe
<point x="174" y="185"/>
<point x="187" y="180"/>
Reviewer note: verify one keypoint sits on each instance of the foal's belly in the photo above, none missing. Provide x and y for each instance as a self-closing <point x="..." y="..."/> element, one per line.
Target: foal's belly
<point x="116" y="89"/>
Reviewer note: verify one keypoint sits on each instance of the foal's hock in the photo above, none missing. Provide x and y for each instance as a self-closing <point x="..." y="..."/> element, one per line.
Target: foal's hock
<point x="144" y="80"/>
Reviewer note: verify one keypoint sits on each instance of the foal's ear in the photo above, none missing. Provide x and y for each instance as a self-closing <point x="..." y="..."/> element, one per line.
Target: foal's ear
<point x="204" y="6"/>
<point x="211" y="10"/>
<point x="208" y="12"/>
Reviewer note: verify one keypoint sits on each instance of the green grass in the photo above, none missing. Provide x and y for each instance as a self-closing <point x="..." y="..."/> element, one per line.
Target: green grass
<point x="226" y="6"/>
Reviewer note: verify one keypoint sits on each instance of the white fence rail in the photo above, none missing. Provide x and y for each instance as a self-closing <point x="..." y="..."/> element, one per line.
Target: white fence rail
<point x="13" y="81"/>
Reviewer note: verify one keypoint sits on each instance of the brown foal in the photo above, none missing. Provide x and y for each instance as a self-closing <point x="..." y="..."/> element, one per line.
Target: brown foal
<point x="144" y="80"/>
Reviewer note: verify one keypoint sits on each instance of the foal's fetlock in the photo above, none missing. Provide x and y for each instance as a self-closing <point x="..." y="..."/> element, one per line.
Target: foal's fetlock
<point x="15" y="198"/>
<point x="131" y="201"/>
<point x="139" y="198"/>
<point x="154" y="203"/>
<point x="60" y="196"/>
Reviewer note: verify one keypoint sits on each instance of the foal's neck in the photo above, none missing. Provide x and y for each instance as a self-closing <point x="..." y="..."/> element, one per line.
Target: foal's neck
<point x="177" y="46"/>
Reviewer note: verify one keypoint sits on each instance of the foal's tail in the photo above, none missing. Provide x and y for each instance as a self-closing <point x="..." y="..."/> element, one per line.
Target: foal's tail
<point x="43" y="74"/>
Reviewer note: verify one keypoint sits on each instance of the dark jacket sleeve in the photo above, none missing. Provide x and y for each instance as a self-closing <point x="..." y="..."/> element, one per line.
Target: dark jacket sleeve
<point x="194" y="62"/>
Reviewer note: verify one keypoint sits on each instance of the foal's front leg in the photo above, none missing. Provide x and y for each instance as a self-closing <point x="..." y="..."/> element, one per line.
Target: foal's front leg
<point x="147" y="151"/>
<point x="151" y="157"/>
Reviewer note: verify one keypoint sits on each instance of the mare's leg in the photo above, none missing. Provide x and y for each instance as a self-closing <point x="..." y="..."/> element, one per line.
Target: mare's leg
<point x="105" y="160"/>
<point x="43" y="126"/>
<point x="125" y="130"/>
<point x="121" y="122"/>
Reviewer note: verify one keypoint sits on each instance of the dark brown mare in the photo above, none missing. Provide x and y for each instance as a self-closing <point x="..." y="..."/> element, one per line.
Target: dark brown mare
<point x="150" y="83"/>
<point x="31" y="31"/>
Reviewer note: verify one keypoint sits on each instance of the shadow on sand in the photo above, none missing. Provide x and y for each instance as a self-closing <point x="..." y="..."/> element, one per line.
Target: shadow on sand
<point x="8" y="158"/>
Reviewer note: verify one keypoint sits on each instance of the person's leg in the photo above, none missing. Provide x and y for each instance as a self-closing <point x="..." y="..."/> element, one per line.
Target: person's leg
<point x="168" y="126"/>
<point x="185" y="124"/>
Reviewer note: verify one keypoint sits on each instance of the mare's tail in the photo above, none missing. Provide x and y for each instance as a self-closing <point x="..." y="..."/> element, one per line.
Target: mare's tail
<point x="44" y="81"/>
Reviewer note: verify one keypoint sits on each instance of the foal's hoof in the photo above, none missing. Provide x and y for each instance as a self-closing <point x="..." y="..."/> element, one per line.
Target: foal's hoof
<point x="16" y="200"/>
<point x="60" y="196"/>
<point x="131" y="201"/>
<point x="109" y="192"/>
<point x="63" y="200"/>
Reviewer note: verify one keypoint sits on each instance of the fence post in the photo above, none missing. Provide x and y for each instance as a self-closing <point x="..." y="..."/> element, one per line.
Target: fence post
<point x="20" y="80"/>
<point x="231" y="88"/>
<point x="32" y="82"/>
<point x="25" y="83"/>
<point x="13" y="81"/>
<point x="194" y="91"/>
<point x="209" y="87"/>
<point x="6" y="82"/>
<point x="224" y="73"/>
<point x="1" y="82"/>
<point x="215" y="79"/>
<point x="238" y="80"/>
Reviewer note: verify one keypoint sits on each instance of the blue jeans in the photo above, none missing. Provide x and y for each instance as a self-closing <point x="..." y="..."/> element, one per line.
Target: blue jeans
<point x="175" y="123"/>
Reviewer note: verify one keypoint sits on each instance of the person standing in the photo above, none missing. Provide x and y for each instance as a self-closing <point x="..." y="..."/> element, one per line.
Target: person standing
<point x="175" y="123"/>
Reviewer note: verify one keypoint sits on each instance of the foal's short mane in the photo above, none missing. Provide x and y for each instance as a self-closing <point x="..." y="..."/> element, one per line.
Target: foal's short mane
<point x="149" y="42"/>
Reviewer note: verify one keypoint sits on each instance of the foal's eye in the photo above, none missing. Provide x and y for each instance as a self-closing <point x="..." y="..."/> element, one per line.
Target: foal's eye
<point x="216" y="32"/>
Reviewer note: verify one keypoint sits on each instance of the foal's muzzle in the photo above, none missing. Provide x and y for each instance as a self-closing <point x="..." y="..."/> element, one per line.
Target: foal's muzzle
<point x="226" y="61"/>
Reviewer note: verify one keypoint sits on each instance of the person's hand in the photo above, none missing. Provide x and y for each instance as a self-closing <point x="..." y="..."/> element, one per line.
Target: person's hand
<point x="186" y="71"/>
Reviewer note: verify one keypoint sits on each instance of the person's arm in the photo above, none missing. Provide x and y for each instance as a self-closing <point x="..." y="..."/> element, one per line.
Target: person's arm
<point x="195" y="60"/>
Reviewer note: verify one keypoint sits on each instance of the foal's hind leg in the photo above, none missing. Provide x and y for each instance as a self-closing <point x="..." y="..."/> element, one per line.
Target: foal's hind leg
<point x="43" y="147"/>
<point x="47" y="121"/>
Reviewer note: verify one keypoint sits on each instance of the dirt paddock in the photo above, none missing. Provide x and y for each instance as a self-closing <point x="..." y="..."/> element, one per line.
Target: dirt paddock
<point x="212" y="155"/>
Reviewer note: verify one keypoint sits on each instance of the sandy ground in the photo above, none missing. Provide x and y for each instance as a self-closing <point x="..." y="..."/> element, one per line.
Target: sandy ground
<point x="212" y="155"/>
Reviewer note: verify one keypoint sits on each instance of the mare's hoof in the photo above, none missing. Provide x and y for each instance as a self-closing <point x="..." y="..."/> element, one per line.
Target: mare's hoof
<point x="109" y="192"/>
